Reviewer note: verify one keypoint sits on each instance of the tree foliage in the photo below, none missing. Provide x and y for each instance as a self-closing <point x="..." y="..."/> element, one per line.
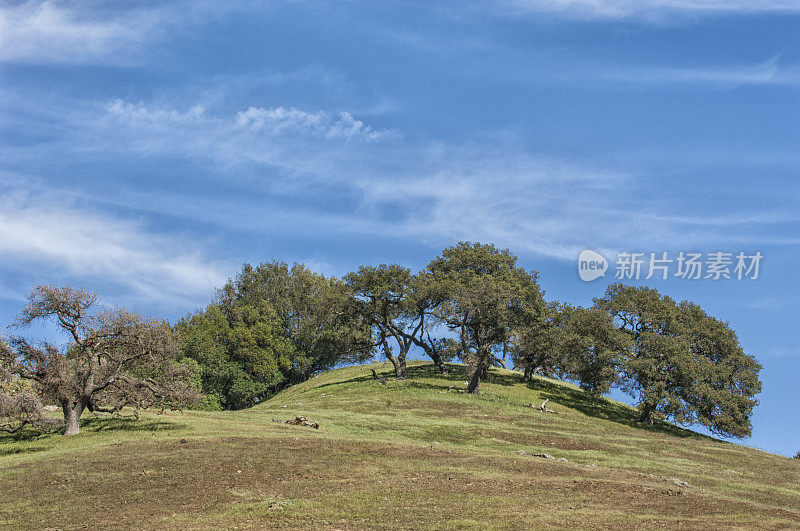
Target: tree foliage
<point x="591" y="349"/>
<point x="682" y="362"/>
<point x="536" y="347"/>
<point x="240" y="354"/>
<point x="482" y="296"/>
<point x="273" y="326"/>
<point x="399" y="307"/>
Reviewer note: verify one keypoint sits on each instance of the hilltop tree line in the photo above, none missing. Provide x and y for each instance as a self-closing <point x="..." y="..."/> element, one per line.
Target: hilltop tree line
<point x="273" y="326"/>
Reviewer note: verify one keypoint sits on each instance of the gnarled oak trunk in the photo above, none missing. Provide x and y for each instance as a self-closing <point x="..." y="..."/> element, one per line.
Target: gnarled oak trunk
<point x="72" y="415"/>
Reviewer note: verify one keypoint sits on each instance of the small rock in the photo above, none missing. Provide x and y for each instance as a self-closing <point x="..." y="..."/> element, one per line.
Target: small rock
<point x="678" y="482"/>
<point x="299" y="420"/>
<point x="521" y="452"/>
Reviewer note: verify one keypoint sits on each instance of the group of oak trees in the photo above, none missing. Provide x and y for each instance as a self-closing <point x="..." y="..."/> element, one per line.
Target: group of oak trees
<point x="274" y="325"/>
<point x="674" y="358"/>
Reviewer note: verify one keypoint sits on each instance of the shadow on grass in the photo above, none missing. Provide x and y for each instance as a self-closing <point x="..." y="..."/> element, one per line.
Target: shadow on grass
<point x="597" y="407"/>
<point x="27" y="434"/>
<point x="455" y="374"/>
<point x="14" y="443"/>
<point x="129" y="424"/>
<point x="93" y="424"/>
<point x="601" y="408"/>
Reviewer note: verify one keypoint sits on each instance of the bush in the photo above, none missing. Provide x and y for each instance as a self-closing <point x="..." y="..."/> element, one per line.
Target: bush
<point x="208" y="403"/>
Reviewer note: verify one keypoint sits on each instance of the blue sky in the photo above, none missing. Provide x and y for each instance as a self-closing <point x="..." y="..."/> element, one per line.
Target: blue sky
<point x="148" y="149"/>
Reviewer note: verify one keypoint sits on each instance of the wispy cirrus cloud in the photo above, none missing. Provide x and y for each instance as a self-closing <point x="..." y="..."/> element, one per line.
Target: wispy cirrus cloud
<point x="769" y="72"/>
<point x="644" y="9"/>
<point x="281" y="171"/>
<point x="70" y="32"/>
<point x="62" y="236"/>
<point x="254" y="120"/>
<point x="308" y="173"/>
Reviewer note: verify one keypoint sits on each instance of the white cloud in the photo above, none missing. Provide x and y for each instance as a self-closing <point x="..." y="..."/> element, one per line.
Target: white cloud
<point x="139" y="115"/>
<point x="438" y="193"/>
<point x="65" y="32"/>
<point x="280" y="119"/>
<point x="647" y="9"/>
<point x="306" y="176"/>
<point x="63" y="238"/>
<point x="767" y="73"/>
<point x="772" y="72"/>
<point x="253" y="121"/>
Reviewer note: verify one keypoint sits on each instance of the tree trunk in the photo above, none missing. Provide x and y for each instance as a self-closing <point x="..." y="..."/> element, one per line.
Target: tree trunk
<point x="481" y="369"/>
<point x="439" y="363"/>
<point x="505" y="353"/>
<point x="72" y="415"/>
<point x="474" y="386"/>
<point x="646" y="416"/>
<point x="400" y="367"/>
<point x="396" y="363"/>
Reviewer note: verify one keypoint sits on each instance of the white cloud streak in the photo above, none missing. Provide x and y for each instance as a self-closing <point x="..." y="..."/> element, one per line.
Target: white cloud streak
<point x="437" y="193"/>
<point x="645" y="9"/>
<point x="771" y="72"/>
<point x="255" y="120"/>
<point x="767" y="73"/>
<point x="308" y="178"/>
<point x="279" y="119"/>
<point x="65" y="238"/>
<point x="64" y="32"/>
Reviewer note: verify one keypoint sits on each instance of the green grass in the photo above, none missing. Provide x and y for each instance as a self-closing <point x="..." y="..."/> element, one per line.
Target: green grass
<point x="413" y="453"/>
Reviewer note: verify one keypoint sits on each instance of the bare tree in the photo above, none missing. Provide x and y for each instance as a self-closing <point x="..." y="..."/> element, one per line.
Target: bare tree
<point x="22" y="408"/>
<point x="114" y="358"/>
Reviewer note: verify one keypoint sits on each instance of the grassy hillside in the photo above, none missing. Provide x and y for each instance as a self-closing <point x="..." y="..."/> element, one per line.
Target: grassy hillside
<point x="412" y="453"/>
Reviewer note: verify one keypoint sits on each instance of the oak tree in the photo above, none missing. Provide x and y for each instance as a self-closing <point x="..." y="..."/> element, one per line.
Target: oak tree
<point x="682" y="362"/>
<point x="319" y="316"/>
<point x="399" y="306"/>
<point x="591" y="348"/>
<point x="113" y="358"/>
<point x="482" y="297"/>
